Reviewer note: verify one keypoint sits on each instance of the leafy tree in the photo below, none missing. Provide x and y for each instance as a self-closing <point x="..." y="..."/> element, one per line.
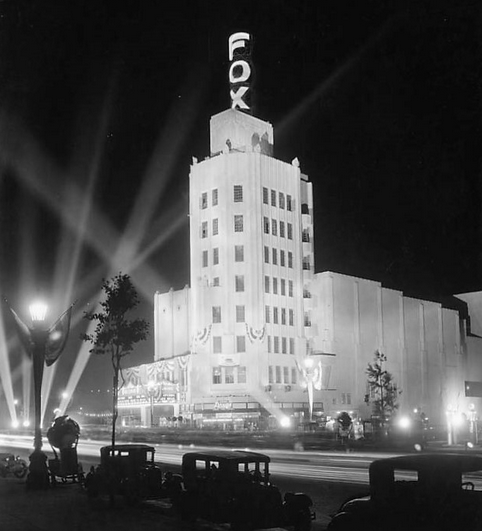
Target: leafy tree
<point x="383" y="388"/>
<point x="114" y="334"/>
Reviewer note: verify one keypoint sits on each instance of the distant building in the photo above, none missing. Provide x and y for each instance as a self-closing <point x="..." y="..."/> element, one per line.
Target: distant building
<point x="259" y="337"/>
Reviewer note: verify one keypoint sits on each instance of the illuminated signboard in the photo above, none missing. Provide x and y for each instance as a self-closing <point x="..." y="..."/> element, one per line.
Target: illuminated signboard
<point x="240" y="70"/>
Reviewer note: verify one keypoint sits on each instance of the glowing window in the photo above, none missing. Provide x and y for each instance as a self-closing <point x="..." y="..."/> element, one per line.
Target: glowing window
<point x="238" y="193"/>
<point x="240" y="314"/>
<point x="216" y="314"/>
<point x="216" y="375"/>
<point x="241" y="374"/>
<point x="240" y="344"/>
<point x="238" y="223"/>
<point x="217" y="344"/>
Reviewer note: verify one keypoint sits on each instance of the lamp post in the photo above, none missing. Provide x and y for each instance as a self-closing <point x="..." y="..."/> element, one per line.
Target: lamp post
<point x="309" y="376"/>
<point x="151" y="391"/>
<point x="38" y="477"/>
<point x="43" y="346"/>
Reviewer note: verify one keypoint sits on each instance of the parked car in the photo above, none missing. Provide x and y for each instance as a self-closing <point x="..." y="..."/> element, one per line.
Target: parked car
<point x="234" y="487"/>
<point x="129" y="471"/>
<point x="417" y="492"/>
<point x="12" y="464"/>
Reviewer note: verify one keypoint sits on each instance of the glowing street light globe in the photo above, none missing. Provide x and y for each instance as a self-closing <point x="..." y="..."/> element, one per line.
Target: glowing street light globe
<point x="38" y="311"/>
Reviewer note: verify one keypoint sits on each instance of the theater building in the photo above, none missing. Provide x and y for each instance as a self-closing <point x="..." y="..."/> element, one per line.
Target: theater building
<point x="258" y="337"/>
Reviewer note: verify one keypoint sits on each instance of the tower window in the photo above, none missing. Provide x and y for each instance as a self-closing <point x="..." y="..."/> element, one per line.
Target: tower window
<point x="238" y="223"/>
<point x="266" y="225"/>
<point x="266" y="254"/>
<point x="290" y="231"/>
<point x="283" y="286"/>
<point x="239" y="282"/>
<point x="240" y="314"/>
<point x="266" y="314"/>
<point x="204" y="200"/>
<point x="282" y="229"/>
<point x="215" y="196"/>
<point x="240" y="343"/>
<point x="241" y="374"/>
<point x="205" y="259"/>
<point x="286" y="375"/>
<point x="305" y="235"/>
<point x="290" y="259"/>
<point x="216" y="256"/>
<point x="293" y="375"/>
<point x="269" y="344"/>
<point x="265" y="196"/>
<point x="291" y="316"/>
<point x="204" y="229"/>
<point x="273" y="198"/>
<point x="275" y="315"/>
<point x="275" y="285"/>
<point x="275" y="257"/>
<point x="239" y="253"/>
<point x="292" y="349"/>
<point x="278" y="374"/>
<point x="290" y="288"/>
<point x="238" y="193"/>
<point x="289" y="203"/>
<point x="306" y="263"/>
<point x="274" y="227"/>
<point x="276" y="347"/>
<point x="266" y="284"/>
<point x="216" y="314"/>
<point x="283" y="316"/>
<point x="229" y="375"/>
<point x="282" y="258"/>
<point x="270" y="374"/>
<point x="216" y="281"/>
<point x="215" y="226"/>
<point x="217" y="344"/>
<point x="216" y="375"/>
<point x="281" y="200"/>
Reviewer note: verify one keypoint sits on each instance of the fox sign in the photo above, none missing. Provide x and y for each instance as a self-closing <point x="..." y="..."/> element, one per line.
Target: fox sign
<point x="240" y="70"/>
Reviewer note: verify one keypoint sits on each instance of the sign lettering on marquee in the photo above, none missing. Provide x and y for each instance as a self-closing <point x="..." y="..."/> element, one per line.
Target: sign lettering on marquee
<point x="240" y="70"/>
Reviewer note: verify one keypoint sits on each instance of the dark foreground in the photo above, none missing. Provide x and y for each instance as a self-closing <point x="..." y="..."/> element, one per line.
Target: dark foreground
<point x="67" y="507"/>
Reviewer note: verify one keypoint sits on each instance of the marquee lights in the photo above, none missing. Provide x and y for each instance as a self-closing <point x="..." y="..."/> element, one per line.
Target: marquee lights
<point x="240" y="70"/>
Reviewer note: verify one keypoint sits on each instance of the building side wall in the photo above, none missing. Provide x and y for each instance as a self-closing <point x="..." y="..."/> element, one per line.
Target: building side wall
<point x="421" y="340"/>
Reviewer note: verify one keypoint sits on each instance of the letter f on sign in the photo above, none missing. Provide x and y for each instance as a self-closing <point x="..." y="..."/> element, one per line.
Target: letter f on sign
<point x="237" y="40"/>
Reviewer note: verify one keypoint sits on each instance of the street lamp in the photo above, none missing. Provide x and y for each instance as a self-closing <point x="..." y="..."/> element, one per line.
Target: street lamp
<point x="38" y="471"/>
<point x="44" y="346"/>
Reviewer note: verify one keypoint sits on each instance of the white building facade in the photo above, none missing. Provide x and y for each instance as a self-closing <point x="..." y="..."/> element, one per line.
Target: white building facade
<point x="258" y="337"/>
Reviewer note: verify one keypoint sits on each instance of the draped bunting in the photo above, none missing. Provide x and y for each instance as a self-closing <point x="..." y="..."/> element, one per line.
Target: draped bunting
<point x="154" y="372"/>
<point x="201" y="337"/>
<point x="255" y="334"/>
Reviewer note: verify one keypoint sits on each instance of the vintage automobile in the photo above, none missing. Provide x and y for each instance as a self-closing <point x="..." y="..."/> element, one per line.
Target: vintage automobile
<point x="129" y="470"/>
<point x="12" y="464"/>
<point x="234" y="487"/>
<point x="417" y="492"/>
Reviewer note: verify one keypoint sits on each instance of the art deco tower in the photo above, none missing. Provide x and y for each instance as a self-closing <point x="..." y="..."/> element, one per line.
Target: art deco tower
<point x="251" y="264"/>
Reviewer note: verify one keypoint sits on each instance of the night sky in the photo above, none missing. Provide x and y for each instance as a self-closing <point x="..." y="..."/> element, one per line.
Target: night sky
<point x="380" y="102"/>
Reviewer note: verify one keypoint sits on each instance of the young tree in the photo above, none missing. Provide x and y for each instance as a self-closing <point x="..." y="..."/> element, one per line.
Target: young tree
<point x="114" y="334"/>
<point x="383" y="388"/>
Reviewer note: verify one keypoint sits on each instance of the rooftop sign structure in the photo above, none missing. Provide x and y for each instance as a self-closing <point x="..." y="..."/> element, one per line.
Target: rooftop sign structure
<point x="240" y="70"/>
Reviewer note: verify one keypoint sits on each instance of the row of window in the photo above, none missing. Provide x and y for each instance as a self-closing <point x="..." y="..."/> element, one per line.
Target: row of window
<point x="276" y="345"/>
<point x="279" y="315"/>
<point x="281" y="375"/>
<point x="229" y="375"/>
<point x="274" y="257"/>
<point x="285" y="230"/>
<point x="269" y="227"/>
<point x="281" y="345"/>
<point x="277" y="198"/>
<point x="271" y="285"/>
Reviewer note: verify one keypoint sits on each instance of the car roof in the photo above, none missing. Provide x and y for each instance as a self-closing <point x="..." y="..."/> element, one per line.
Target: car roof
<point x="128" y="447"/>
<point x="428" y="462"/>
<point x="243" y="456"/>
